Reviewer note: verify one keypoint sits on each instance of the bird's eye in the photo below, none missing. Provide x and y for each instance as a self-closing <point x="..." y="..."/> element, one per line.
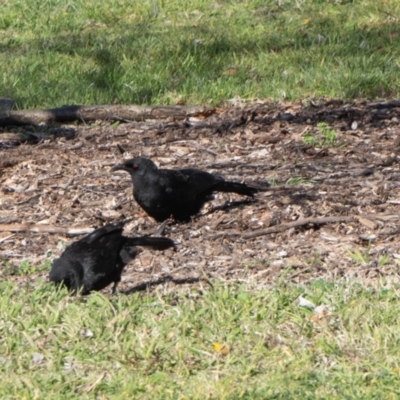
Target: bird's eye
<point x="135" y="166"/>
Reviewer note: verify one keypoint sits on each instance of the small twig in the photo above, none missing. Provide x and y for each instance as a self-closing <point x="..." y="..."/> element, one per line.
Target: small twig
<point x="300" y="272"/>
<point x="200" y="147"/>
<point x="388" y="14"/>
<point x="7" y="237"/>
<point x="10" y="255"/>
<point x="385" y="104"/>
<point x="76" y="146"/>
<point x="27" y="200"/>
<point x="381" y="217"/>
<point x="68" y="184"/>
<point x="116" y="118"/>
<point x="96" y="383"/>
<point x="229" y="233"/>
<point x="119" y="204"/>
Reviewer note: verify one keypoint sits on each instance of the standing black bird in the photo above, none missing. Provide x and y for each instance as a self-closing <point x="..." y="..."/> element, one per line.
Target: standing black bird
<point x="99" y="258"/>
<point x="163" y="193"/>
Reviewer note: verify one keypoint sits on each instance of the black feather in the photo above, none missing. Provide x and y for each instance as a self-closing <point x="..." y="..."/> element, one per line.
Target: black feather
<point x="163" y="193"/>
<point x="98" y="259"/>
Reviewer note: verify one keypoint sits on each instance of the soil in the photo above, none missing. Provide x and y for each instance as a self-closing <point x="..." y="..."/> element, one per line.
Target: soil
<point x="331" y="212"/>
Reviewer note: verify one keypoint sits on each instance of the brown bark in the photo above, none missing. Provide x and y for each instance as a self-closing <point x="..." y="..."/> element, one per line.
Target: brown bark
<point x="125" y="113"/>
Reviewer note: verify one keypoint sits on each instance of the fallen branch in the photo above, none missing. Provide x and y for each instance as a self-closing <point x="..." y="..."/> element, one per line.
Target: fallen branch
<point x="385" y="104"/>
<point x="368" y="220"/>
<point x="10" y="255"/>
<point x="295" y="224"/>
<point x="125" y="113"/>
<point x="45" y="229"/>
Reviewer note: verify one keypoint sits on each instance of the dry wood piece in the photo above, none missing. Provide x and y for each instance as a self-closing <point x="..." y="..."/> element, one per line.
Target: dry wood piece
<point x="367" y="222"/>
<point x="381" y="217"/>
<point x="125" y="113"/>
<point x="45" y="229"/>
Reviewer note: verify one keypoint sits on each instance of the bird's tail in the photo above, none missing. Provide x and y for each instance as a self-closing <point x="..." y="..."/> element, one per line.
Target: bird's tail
<point x="158" y="243"/>
<point x="235" y="187"/>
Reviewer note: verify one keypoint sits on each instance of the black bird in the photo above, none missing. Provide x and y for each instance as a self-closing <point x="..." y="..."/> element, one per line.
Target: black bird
<point x="99" y="258"/>
<point x="163" y="193"/>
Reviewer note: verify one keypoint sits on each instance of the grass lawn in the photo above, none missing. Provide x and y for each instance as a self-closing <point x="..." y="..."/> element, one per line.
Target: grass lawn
<point x="58" y="52"/>
<point x="224" y="342"/>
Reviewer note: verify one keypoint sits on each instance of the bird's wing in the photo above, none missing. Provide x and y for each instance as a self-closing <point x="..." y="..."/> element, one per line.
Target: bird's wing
<point x="105" y="230"/>
<point x="190" y="181"/>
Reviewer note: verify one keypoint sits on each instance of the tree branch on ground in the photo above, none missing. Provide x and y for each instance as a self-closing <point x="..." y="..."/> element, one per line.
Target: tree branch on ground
<point x="124" y="113"/>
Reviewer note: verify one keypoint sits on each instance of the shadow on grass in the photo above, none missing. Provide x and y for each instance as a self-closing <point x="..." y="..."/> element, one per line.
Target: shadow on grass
<point x="177" y="281"/>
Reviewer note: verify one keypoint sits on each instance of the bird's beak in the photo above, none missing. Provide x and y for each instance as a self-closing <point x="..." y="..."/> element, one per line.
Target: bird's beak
<point x="118" y="167"/>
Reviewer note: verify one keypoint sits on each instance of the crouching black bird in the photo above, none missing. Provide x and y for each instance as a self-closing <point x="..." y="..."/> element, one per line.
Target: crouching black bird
<point x="163" y="193"/>
<point x="99" y="258"/>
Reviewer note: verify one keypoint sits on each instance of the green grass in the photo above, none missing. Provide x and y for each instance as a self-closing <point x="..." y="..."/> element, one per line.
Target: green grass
<point x="58" y="52"/>
<point x="364" y="258"/>
<point x="298" y="180"/>
<point x="324" y="137"/>
<point x="225" y="342"/>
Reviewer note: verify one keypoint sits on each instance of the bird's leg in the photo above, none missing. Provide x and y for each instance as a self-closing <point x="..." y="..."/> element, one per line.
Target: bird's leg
<point x="76" y="283"/>
<point x="114" y="289"/>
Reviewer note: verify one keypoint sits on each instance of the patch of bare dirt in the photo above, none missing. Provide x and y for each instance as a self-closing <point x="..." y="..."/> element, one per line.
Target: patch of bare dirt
<point x="327" y="207"/>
